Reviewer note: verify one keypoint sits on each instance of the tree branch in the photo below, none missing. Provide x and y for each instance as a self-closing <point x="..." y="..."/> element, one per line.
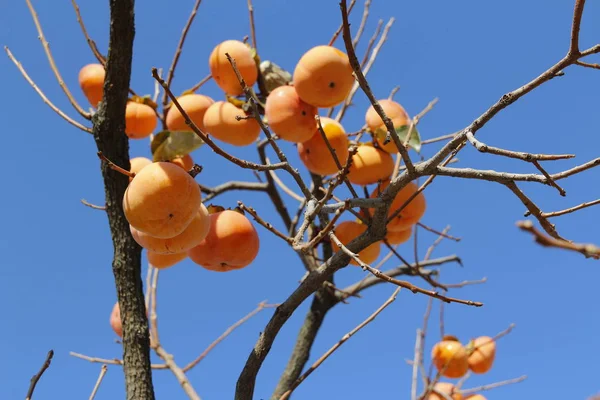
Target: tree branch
<point x="36" y="377"/>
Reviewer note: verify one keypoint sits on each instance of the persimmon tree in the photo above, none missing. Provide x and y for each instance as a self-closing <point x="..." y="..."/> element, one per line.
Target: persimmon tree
<point x="366" y="194"/>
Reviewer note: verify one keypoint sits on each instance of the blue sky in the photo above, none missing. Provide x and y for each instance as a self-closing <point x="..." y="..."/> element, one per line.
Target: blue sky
<point x="56" y="282"/>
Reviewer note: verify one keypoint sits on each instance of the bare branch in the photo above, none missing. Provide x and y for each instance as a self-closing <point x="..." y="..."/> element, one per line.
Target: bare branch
<point x="493" y="385"/>
<point x="568" y="210"/>
<point x="344" y="338"/>
<point x="35" y="378"/>
<point x="232" y="185"/>
<point x="103" y="370"/>
<point x="529" y="157"/>
<point x="265" y="224"/>
<point x="184" y="33"/>
<point x="336" y="34"/>
<point x="113" y="361"/>
<point x="227" y="332"/>
<point x="53" y="66"/>
<point x="200" y="84"/>
<point x="588" y="250"/>
<point x="43" y="96"/>
<point x="534" y="210"/>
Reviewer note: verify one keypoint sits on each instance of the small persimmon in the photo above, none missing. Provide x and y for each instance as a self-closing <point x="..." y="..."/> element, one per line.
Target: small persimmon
<point x="232" y="243"/>
<point x="446" y="388"/>
<point x="163" y="261"/>
<point x="191" y="236"/>
<point x="450" y="356"/>
<point x="411" y="214"/>
<point x="222" y="70"/>
<point x="161" y="200"/>
<point x="137" y="163"/>
<point x="186" y="162"/>
<point x="195" y="106"/>
<point x="315" y="154"/>
<point x="394" y="111"/>
<point x="323" y="76"/>
<point x="370" y="165"/>
<point x="346" y="232"/>
<point x="398" y="237"/>
<point x="91" y="81"/>
<point x="140" y="120"/>
<point x="482" y="354"/>
<point x="288" y="116"/>
<point x="220" y="121"/>
<point x="115" y="320"/>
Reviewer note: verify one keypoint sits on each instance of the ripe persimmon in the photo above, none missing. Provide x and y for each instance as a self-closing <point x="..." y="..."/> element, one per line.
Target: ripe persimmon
<point x="346" y="232"/>
<point x="163" y="261"/>
<point x="482" y="354"/>
<point x="370" y="165"/>
<point x="288" y="116"/>
<point x="186" y="162"/>
<point x="115" y="320"/>
<point x="446" y="388"/>
<point x="220" y="121"/>
<point x="232" y="243"/>
<point x="398" y="237"/>
<point x="161" y="200"/>
<point x="137" y="163"/>
<point x="323" y="76"/>
<point x="222" y="70"/>
<point x="91" y="81"/>
<point x="394" y="111"/>
<point x="450" y="356"/>
<point x="195" y="106"/>
<point x="191" y="236"/>
<point x="140" y="120"/>
<point x="411" y="214"/>
<point x="475" y="397"/>
<point x="315" y="154"/>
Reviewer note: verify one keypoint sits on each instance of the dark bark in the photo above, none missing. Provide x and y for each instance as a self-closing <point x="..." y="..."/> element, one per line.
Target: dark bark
<point x="109" y="133"/>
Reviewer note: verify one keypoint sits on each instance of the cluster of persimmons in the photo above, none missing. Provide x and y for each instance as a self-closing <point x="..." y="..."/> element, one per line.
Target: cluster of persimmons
<point x="163" y="202"/>
<point x="453" y="360"/>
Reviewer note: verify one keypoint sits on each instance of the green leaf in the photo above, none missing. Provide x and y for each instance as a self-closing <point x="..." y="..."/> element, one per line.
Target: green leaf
<point x="402" y="131"/>
<point x="168" y="145"/>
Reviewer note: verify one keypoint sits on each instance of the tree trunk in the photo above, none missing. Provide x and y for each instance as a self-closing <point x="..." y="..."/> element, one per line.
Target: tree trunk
<point x="109" y="133"/>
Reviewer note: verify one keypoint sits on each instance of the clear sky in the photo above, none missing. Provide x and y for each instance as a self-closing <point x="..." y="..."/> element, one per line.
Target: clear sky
<point x="56" y="282"/>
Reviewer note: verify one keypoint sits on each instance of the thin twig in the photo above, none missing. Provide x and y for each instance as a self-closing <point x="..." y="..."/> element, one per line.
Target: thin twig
<point x="53" y="66"/>
<point x="184" y="33"/>
<point x="404" y="284"/>
<point x="415" y="366"/>
<point x="95" y="207"/>
<point x="465" y="283"/>
<point x="336" y="34"/>
<point x="493" y="385"/>
<point x="568" y="210"/>
<point x="264" y="223"/>
<point x="43" y="96"/>
<point x="252" y="28"/>
<point x="344" y="338"/>
<point x="35" y="378"/>
<point x="226" y="333"/>
<point x="588" y="250"/>
<point x="114" y="361"/>
<point x="200" y="84"/>
<point x="363" y="22"/>
<point x="114" y="166"/>
<point x="103" y="370"/>
<point x="101" y="59"/>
